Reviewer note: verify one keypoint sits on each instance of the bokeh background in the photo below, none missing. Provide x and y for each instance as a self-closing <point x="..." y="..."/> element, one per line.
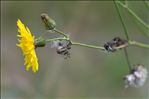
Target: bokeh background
<point x="89" y="73"/>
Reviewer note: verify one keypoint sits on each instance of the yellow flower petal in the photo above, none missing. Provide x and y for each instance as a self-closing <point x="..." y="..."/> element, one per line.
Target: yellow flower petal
<point x="27" y="45"/>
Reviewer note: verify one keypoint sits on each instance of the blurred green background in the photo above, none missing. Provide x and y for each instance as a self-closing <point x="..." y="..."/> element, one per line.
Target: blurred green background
<point x="89" y="73"/>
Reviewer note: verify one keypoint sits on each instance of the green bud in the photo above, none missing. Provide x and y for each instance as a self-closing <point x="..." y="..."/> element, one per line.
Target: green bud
<point x="40" y="42"/>
<point x="50" y="24"/>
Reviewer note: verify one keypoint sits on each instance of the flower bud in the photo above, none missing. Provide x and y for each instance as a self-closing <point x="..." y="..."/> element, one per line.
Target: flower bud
<point x="49" y="23"/>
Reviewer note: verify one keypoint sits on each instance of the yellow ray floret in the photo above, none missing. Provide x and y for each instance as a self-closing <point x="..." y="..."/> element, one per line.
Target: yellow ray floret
<point x="27" y="45"/>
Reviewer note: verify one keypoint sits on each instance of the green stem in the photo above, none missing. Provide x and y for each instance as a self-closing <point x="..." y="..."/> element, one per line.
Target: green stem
<point x="146" y="4"/>
<point x="134" y="15"/>
<point x="138" y="44"/>
<point x="89" y="46"/>
<point x="126" y="3"/>
<point x="122" y="21"/>
<point x="54" y="39"/>
<point x="76" y="43"/>
<point x="60" y="32"/>
<point x="126" y="33"/>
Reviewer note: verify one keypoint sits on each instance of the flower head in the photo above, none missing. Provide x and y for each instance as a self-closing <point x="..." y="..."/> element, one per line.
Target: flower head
<point x="115" y="44"/>
<point x="137" y="77"/>
<point x="28" y="48"/>
<point x="62" y="47"/>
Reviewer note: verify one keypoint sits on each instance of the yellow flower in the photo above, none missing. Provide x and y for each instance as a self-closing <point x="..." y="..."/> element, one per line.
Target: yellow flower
<point x="28" y="48"/>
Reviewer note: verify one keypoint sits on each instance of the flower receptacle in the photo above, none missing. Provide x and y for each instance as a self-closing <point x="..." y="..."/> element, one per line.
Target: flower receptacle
<point x="40" y="42"/>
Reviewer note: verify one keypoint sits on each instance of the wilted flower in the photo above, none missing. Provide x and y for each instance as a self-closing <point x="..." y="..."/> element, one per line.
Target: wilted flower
<point x="115" y="44"/>
<point x="62" y="47"/>
<point x="137" y="77"/>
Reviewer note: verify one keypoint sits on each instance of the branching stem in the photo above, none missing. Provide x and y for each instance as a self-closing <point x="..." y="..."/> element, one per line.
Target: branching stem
<point x="76" y="43"/>
<point x="131" y="42"/>
<point x="138" y="44"/>
<point x="54" y="39"/>
<point x="60" y="32"/>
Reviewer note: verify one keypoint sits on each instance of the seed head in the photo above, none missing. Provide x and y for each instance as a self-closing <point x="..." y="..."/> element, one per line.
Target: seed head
<point x="62" y="47"/>
<point x="137" y="77"/>
<point x="115" y="44"/>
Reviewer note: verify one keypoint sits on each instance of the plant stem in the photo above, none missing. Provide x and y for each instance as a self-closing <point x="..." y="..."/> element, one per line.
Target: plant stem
<point x="122" y="21"/>
<point x="127" y="59"/>
<point x="76" y="43"/>
<point x="126" y="33"/>
<point x="146" y="4"/>
<point x="126" y="3"/>
<point x="134" y="15"/>
<point x="89" y="46"/>
<point x="60" y="32"/>
<point x="138" y="44"/>
<point x="49" y="40"/>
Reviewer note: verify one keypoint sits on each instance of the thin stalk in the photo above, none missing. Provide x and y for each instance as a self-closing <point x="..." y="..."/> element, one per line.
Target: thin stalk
<point x="146" y="4"/>
<point x="54" y="39"/>
<point x="76" y="43"/>
<point x="89" y="46"/>
<point x="134" y="15"/>
<point x="138" y="44"/>
<point x="121" y="19"/>
<point x="60" y="32"/>
<point x="126" y="33"/>
<point x="126" y="3"/>
<point x="127" y="59"/>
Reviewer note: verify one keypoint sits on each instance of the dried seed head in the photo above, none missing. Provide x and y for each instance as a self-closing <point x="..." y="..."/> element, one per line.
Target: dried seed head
<point x="115" y="44"/>
<point x="137" y="77"/>
<point x="129" y="80"/>
<point x="62" y="47"/>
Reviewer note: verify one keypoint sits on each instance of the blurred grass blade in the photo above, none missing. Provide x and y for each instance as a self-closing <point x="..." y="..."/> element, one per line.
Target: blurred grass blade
<point x="146" y="3"/>
<point x="143" y="25"/>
